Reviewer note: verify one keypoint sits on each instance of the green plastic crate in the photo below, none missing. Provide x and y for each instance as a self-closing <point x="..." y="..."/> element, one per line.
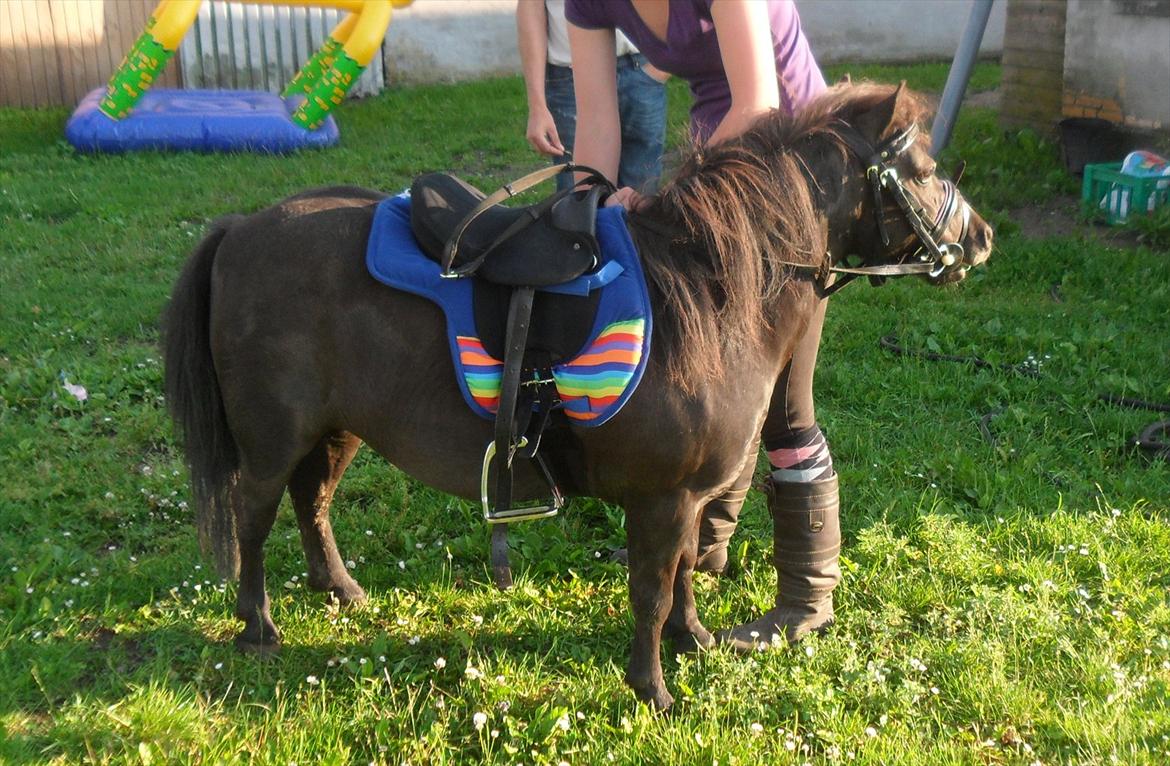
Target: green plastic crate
<point x="1115" y="195"/>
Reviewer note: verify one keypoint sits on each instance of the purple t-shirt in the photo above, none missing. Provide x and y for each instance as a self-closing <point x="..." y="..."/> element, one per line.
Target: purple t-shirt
<point x="691" y="51"/>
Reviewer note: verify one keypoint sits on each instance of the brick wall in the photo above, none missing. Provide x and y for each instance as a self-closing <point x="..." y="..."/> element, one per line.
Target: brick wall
<point x="1077" y="104"/>
<point x="1033" y="64"/>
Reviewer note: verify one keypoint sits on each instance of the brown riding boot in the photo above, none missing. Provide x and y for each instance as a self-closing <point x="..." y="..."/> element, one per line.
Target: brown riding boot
<point x="720" y="517"/>
<point x="806" y="535"/>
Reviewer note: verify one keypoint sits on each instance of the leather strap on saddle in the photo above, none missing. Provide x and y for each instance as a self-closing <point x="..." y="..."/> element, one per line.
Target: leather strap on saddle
<point x="550" y="242"/>
<point x="596" y="179"/>
<point x="507" y="426"/>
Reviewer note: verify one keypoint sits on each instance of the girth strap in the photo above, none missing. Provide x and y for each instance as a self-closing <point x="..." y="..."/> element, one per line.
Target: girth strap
<point x="516" y="433"/>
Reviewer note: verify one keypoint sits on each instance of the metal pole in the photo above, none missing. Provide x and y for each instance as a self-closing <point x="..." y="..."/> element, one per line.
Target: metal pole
<point x="952" y="98"/>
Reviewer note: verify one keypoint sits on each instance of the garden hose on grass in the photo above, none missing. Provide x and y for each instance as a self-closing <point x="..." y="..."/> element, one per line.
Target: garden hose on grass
<point x="1152" y="439"/>
<point x="1028" y="368"/>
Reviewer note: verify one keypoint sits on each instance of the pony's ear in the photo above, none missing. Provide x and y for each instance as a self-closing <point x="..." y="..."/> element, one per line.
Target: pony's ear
<point x="845" y="79"/>
<point x="876" y="122"/>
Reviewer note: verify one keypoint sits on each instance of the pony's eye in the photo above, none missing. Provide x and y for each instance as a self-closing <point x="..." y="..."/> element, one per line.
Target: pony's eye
<point x="922" y="180"/>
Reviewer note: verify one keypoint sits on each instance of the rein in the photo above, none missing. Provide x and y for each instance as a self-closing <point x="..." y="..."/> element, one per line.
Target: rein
<point x="934" y="259"/>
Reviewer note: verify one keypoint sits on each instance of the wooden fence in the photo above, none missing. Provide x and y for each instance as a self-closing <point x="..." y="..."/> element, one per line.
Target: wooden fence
<point x="53" y="52"/>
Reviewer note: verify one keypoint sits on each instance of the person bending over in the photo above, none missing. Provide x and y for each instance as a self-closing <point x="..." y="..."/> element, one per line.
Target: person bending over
<point x="740" y="59"/>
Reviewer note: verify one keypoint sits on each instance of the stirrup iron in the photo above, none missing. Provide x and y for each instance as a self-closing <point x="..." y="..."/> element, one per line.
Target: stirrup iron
<point x="527" y="513"/>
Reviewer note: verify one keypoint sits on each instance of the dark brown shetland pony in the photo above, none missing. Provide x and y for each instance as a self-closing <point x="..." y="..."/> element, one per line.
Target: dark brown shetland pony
<point x="283" y="355"/>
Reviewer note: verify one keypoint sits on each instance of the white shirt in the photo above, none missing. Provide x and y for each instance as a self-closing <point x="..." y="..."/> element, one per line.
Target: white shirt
<point x="558" y="35"/>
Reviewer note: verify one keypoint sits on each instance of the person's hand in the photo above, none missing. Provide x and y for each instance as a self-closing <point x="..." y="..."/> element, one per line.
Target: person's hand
<point x="656" y="73"/>
<point x="628" y="198"/>
<point x="542" y="133"/>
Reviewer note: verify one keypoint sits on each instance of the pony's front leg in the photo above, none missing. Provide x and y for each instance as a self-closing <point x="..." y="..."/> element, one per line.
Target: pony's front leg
<point x="658" y="533"/>
<point x="683" y="627"/>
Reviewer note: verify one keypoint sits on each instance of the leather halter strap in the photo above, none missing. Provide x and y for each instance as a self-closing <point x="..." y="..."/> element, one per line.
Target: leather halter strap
<point x="881" y="174"/>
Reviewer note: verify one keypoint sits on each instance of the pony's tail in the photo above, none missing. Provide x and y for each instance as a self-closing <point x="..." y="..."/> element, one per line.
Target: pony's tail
<point x="196" y="404"/>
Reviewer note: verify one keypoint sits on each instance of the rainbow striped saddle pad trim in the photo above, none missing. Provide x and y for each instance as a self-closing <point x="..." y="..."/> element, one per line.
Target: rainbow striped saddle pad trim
<point x="592" y="384"/>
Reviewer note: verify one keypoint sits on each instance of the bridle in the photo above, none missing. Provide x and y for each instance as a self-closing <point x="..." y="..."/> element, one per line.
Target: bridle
<point x="932" y="257"/>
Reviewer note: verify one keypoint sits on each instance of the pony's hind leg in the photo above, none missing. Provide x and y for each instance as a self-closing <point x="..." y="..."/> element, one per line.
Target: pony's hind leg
<point x="311" y="487"/>
<point x="255" y="501"/>
<point x="657" y="533"/>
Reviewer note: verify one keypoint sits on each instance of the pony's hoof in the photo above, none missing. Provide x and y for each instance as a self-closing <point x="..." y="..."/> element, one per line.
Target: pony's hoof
<point x="261" y="649"/>
<point x="661" y="701"/>
<point x="348" y="593"/>
<point x="691" y="642"/>
<point x="260" y="639"/>
<point x="654" y="694"/>
<point x="341" y="588"/>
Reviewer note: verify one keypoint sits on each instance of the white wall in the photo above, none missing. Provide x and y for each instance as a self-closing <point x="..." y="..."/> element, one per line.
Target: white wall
<point x="248" y="46"/>
<point x="447" y="40"/>
<point x="1120" y="57"/>
<point x="893" y="30"/>
<point x="438" y="40"/>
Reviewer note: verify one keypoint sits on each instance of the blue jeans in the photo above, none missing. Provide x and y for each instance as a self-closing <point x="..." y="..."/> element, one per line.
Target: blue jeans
<point x="641" y="108"/>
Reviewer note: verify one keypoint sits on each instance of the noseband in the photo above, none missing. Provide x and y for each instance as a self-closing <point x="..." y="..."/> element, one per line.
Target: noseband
<point x="931" y="257"/>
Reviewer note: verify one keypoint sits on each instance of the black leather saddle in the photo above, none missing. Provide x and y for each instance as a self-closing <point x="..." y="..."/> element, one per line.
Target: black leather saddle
<point x="547" y="243"/>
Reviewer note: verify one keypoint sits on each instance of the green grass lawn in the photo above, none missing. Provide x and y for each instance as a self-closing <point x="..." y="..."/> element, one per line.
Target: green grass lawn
<point x="1004" y="602"/>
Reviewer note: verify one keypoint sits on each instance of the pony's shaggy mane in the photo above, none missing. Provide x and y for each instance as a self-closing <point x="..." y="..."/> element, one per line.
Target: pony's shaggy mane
<point x="713" y="240"/>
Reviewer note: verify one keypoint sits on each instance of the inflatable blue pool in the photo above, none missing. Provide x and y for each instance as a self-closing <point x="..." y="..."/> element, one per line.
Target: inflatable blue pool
<point x="197" y="121"/>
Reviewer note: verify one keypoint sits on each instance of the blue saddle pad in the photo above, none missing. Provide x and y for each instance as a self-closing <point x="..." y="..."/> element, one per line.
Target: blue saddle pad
<point x="595" y="382"/>
<point x="197" y="121"/>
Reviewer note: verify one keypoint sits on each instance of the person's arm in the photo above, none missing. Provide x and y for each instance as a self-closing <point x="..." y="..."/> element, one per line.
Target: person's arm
<point x="745" y="42"/>
<point x="599" y="139"/>
<point x="532" y="40"/>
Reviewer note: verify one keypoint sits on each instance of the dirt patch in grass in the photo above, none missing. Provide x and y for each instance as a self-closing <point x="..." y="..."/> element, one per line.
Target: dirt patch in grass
<point x="985" y="99"/>
<point x="1061" y="217"/>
